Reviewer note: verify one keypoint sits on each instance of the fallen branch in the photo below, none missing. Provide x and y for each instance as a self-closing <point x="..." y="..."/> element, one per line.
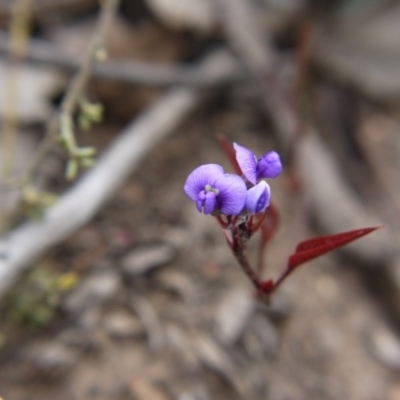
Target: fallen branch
<point x="133" y="71"/>
<point x="21" y="247"/>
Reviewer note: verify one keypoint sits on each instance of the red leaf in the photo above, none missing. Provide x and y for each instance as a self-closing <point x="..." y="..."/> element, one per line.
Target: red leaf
<point x="313" y="248"/>
<point x="229" y="152"/>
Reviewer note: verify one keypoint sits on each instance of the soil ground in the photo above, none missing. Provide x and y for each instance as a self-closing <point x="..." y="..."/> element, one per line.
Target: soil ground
<point x="191" y="328"/>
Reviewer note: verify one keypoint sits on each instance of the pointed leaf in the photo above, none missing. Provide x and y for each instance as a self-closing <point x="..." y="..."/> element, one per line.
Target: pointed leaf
<point x="316" y="247"/>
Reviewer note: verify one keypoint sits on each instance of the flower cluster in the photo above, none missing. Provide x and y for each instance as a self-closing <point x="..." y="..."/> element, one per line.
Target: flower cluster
<point x="214" y="191"/>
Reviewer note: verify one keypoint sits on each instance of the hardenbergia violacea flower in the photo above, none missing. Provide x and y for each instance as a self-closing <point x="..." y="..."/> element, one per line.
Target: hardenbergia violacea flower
<point x="267" y="166"/>
<point x="215" y="192"/>
<point x="212" y="190"/>
<point x="258" y="198"/>
<point x="241" y="203"/>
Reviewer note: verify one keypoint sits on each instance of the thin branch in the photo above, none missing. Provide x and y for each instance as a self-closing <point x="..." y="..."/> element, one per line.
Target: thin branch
<point x="73" y="94"/>
<point x="133" y="71"/>
<point x="44" y="6"/>
<point x="82" y="77"/>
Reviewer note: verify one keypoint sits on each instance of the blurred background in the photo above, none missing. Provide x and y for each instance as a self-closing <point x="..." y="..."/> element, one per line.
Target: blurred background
<point x="112" y="285"/>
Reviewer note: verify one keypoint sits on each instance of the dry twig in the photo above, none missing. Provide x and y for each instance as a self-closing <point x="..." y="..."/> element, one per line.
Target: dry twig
<point x="133" y="71"/>
<point x="63" y="120"/>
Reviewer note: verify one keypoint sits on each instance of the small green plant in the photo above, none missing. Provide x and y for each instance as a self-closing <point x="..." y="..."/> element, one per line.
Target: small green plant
<point x="34" y="202"/>
<point x="89" y="114"/>
<point x="32" y="304"/>
<point x="78" y="156"/>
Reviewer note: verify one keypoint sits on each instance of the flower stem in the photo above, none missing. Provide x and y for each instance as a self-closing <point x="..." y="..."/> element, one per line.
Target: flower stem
<point x="238" y="248"/>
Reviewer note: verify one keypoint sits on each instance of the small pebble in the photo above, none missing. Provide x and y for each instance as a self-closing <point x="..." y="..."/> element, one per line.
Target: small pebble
<point x="81" y="339"/>
<point x="279" y="309"/>
<point x="384" y="345"/>
<point x="142" y="389"/>
<point x="233" y="314"/>
<point x="145" y="258"/>
<point x="96" y="289"/>
<point x="267" y="335"/>
<point x="52" y="360"/>
<point x="122" y="325"/>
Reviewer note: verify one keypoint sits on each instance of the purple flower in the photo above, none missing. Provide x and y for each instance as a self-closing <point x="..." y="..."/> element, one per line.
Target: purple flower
<point x="267" y="166"/>
<point x="211" y="190"/>
<point x="258" y="197"/>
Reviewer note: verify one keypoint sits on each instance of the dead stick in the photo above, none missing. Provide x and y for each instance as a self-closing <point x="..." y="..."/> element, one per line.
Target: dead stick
<point x="22" y="246"/>
<point x="133" y="71"/>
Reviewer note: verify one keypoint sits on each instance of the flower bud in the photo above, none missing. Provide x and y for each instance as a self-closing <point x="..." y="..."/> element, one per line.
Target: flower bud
<point x="258" y="197"/>
<point x="269" y="165"/>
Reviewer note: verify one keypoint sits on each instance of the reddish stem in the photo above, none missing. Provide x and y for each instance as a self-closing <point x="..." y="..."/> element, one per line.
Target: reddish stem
<point x="284" y="275"/>
<point x="224" y="224"/>
<point x="238" y="249"/>
<point x="269" y="226"/>
<point x="303" y="58"/>
<point x="303" y="61"/>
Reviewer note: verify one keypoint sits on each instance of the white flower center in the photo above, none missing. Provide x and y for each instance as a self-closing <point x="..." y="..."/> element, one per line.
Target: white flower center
<point x="209" y="188"/>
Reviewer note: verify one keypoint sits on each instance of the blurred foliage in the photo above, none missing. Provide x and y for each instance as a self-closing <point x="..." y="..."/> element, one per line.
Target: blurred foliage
<point x="32" y="304"/>
<point x="34" y="202"/>
<point x="3" y="341"/>
<point x="89" y="114"/>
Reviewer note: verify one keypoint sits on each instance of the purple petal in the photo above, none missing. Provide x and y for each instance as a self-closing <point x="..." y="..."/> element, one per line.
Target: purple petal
<point x="206" y="202"/>
<point x="200" y="177"/>
<point x="258" y="197"/>
<point x="232" y="194"/>
<point x="269" y="165"/>
<point x="247" y="162"/>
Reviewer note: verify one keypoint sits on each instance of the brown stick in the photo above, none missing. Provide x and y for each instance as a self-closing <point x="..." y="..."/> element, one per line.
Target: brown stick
<point x="134" y="71"/>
